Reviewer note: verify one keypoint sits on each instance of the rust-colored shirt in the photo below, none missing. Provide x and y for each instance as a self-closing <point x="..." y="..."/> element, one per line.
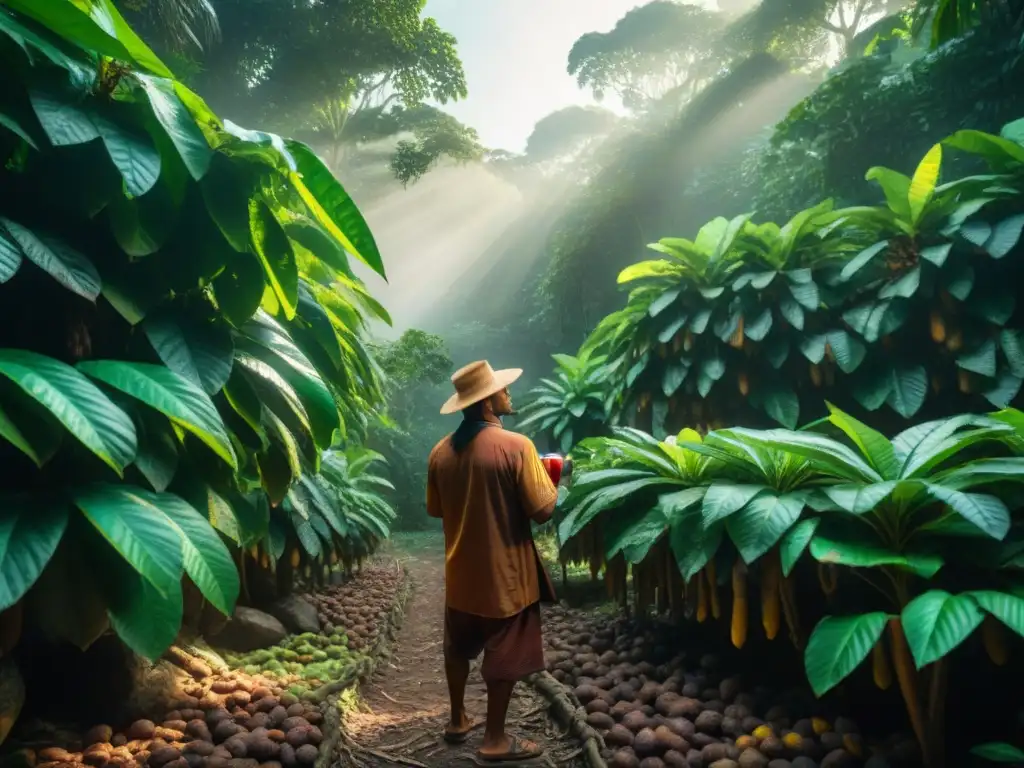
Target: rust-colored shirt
<point x="487" y="495"/>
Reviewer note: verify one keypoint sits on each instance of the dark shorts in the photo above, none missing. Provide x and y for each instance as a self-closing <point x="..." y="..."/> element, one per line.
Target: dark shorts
<point x="513" y="647"/>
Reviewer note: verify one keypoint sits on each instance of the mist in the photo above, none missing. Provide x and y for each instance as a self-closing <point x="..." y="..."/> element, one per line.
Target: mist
<point x="432" y="234"/>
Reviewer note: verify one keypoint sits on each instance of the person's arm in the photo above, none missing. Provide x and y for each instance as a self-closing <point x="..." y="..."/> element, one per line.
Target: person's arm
<point x="536" y="491"/>
<point x="433" y="494"/>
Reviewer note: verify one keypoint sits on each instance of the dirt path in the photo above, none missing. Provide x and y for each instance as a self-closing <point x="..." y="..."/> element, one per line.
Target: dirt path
<point x="406" y="704"/>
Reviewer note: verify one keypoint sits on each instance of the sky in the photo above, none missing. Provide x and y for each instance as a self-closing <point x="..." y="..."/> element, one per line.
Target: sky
<point x="514" y="53"/>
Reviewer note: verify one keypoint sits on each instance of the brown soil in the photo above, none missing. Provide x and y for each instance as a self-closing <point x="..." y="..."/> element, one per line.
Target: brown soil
<point x="406" y="703"/>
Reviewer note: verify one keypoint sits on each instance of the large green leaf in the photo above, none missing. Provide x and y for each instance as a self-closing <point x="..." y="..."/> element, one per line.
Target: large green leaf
<point x="909" y="388"/>
<point x="66" y="124"/>
<point x="1005" y="236"/>
<point x="62" y="262"/>
<point x="27" y="38"/>
<point x="333" y="208"/>
<point x="306" y="535"/>
<point x="30" y="428"/>
<point x="725" y="499"/>
<point x="982" y="472"/>
<point x="985" y="511"/>
<point x="276" y="255"/>
<point x="981" y="360"/>
<point x="875" y="446"/>
<point x="77" y="403"/>
<point x="30" y="531"/>
<point x="1008" y="608"/>
<point x="859" y="554"/>
<point x="176" y="120"/>
<point x="637" y="535"/>
<point x="157" y="457"/>
<point x="849" y="351"/>
<point x="693" y="543"/>
<point x="795" y="542"/>
<point x="239" y="288"/>
<point x="711" y="370"/>
<point x="838" y="645"/>
<point x="998" y="151"/>
<point x="999" y="752"/>
<point x="782" y="404"/>
<point x="95" y="27"/>
<point x="160" y="388"/>
<point x="922" y="185"/>
<point x="937" y="622"/>
<point x="829" y="455"/>
<point x="132" y="152"/>
<point x="761" y="523"/>
<point x="268" y="342"/>
<point x="146" y="620"/>
<point x="602" y="499"/>
<point x="203" y="353"/>
<point x="858" y="498"/>
<point x="206" y="560"/>
<point x="138" y="529"/>
<point x="10" y="255"/>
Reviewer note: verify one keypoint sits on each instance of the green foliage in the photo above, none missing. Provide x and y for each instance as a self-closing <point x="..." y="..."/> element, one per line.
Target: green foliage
<point x="634" y="190"/>
<point x="575" y="404"/>
<point x="337" y="509"/>
<point x="829" y="140"/>
<point x="924" y="518"/>
<point x="436" y="135"/>
<point x="417" y="367"/>
<point x="272" y="67"/>
<point x="417" y="357"/>
<point x="182" y="336"/>
<point x="999" y="752"/>
<point x="801" y="30"/>
<point x="834" y="300"/>
<point x="654" y="48"/>
<point x="945" y="20"/>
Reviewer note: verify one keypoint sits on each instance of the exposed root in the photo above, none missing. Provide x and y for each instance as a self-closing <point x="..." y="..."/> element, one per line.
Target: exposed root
<point x="566" y="709"/>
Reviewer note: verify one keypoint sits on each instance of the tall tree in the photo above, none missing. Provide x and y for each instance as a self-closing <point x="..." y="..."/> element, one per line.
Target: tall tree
<point x="653" y="49"/>
<point x="420" y="135"/>
<point x="277" y="60"/>
<point x="804" y="30"/>
<point x="565" y="131"/>
<point x="338" y="73"/>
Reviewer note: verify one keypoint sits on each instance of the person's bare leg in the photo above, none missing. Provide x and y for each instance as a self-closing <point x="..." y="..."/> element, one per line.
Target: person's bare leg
<point x="499" y="693"/>
<point x="457" y="672"/>
<point x="496" y="741"/>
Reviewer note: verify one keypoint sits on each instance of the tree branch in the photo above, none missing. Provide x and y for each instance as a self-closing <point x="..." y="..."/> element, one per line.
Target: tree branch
<point x="858" y="12"/>
<point x="373" y="90"/>
<point x="826" y="24"/>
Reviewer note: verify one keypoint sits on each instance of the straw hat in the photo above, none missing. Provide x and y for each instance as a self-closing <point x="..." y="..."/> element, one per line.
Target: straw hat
<point x="476" y="382"/>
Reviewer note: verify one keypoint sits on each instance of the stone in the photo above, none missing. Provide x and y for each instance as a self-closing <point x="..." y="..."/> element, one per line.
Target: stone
<point x="297" y="614"/>
<point x="249" y="630"/>
<point x="751" y="758"/>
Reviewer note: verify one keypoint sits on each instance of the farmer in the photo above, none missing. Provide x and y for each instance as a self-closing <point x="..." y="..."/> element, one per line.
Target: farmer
<point x="487" y="484"/>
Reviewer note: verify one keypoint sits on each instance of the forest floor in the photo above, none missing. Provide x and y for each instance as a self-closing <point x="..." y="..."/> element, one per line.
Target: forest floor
<point x="403" y="709"/>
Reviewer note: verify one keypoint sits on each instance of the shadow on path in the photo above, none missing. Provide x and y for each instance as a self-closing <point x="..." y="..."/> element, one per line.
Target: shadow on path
<point x="406" y="703"/>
